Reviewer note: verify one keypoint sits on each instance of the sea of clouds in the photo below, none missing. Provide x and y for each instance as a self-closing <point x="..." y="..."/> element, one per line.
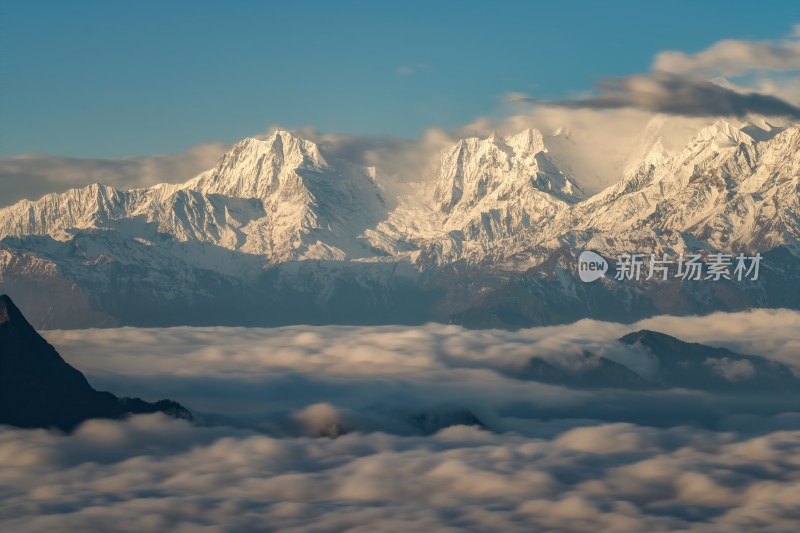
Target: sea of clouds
<point x="363" y="429"/>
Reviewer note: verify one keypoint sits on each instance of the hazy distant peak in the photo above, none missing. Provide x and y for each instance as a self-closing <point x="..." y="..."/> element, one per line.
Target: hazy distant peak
<point x="648" y="337"/>
<point x="528" y="141"/>
<point x="722" y="130"/>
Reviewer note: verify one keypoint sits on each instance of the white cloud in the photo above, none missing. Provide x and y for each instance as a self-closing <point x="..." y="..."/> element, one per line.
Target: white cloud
<point x="414" y="351"/>
<point x="731" y="369"/>
<point x="604" y="126"/>
<point x="32" y="176"/>
<point x="691" y="87"/>
<point x="512" y="98"/>
<point x="411" y="380"/>
<point x="552" y="459"/>
<point x="734" y="58"/>
<point x="414" y="68"/>
<point x="770" y="333"/>
<point x="155" y="474"/>
<point x="399" y="160"/>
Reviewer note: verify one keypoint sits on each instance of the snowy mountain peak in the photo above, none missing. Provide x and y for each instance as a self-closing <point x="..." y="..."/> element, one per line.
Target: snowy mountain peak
<point x="663" y="137"/>
<point x="277" y="218"/>
<point x="475" y="169"/>
<point x="291" y="145"/>
<point x="256" y="168"/>
<point x="724" y="135"/>
<point x="277" y="197"/>
<point x="527" y="143"/>
<point x="720" y="144"/>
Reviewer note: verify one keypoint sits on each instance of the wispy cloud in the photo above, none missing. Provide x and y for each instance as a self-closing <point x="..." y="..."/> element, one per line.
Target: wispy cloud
<point x="662" y="92"/>
<point x="413" y="68"/>
<point x="512" y="98"/>
<point x="734" y="58"/>
<point x="695" y="84"/>
<point x="33" y="175"/>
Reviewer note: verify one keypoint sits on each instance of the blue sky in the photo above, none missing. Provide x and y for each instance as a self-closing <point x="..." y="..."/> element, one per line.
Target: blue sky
<point x="111" y="79"/>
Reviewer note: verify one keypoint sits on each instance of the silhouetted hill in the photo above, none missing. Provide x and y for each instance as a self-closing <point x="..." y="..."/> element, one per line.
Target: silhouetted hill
<point x="39" y="389"/>
<point x="595" y="372"/>
<point x="697" y="366"/>
<point x="680" y="365"/>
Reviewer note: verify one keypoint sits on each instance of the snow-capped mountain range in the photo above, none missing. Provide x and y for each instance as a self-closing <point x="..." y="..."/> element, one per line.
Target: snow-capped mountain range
<point x="280" y="232"/>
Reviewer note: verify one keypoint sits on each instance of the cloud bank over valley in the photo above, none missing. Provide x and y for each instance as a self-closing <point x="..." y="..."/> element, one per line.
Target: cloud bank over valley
<point x="433" y="427"/>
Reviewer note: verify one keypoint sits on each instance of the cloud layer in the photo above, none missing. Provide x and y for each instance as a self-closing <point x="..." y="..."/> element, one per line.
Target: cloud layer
<point x="242" y="353"/>
<point x="32" y="176"/>
<point x="397" y="399"/>
<point x="154" y="474"/>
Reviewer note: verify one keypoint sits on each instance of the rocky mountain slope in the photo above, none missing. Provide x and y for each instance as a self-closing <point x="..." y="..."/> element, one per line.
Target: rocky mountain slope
<point x="39" y="389"/>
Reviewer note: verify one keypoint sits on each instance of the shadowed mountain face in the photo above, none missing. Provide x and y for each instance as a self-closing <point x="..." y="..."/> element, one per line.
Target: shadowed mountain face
<point x="680" y="365"/>
<point x="696" y="366"/>
<point x="39" y="389"/>
<point x="596" y="372"/>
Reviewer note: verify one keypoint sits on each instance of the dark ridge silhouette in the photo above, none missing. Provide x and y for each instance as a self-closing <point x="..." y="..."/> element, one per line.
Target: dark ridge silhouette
<point x="697" y="366"/>
<point x="681" y="364"/>
<point x="39" y="389"/>
<point x="431" y="422"/>
<point x="596" y="372"/>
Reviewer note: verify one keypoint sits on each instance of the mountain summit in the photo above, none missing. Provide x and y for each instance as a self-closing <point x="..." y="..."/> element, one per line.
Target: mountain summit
<point x="282" y="232"/>
<point x="39" y="389"/>
<point x="679" y="364"/>
<point x="256" y="168"/>
<point x="494" y="169"/>
<point x="694" y="365"/>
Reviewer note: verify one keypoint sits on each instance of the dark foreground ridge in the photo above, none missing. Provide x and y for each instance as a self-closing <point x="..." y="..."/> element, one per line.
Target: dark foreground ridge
<point x="39" y="389"/>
